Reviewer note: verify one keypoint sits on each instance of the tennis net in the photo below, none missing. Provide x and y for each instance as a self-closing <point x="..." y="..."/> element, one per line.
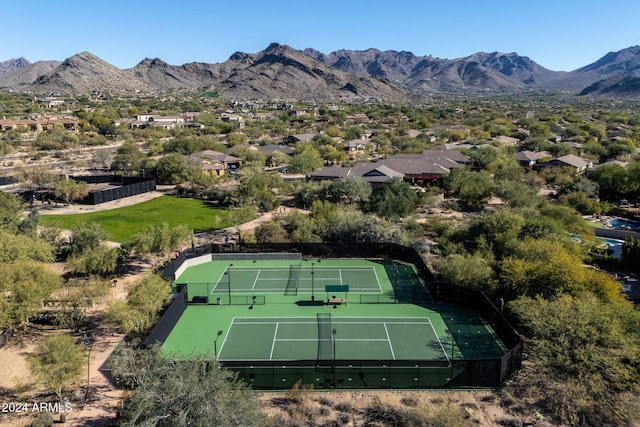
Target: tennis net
<point x="325" y="350"/>
<point x="293" y="280"/>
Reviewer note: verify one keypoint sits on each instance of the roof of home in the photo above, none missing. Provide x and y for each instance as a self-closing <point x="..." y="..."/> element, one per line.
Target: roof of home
<point x="527" y="155"/>
<point x="573" y="160"/>
<point x="301" y="137"/>
<point x="272" y="148"/>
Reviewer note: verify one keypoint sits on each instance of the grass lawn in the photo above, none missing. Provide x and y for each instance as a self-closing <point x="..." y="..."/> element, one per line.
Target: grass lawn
<point x="596" y="224"/>
<point x="124" y="222"/>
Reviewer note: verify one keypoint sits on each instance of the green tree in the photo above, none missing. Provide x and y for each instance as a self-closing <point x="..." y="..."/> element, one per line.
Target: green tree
<point x="350" y="189"/>
<point x="517" y="194"/>
<point x="270" y="232"/>
<point x="613" y="181"/>
<point x="260" y="189"/>
<point x="499" y="230"/>
<point x="25" y="285"/>
<point x="631" y="254"/>
<point x="396" y="199"/>
<point x="160" y="240"/>
<point x="144" y="301"/>
<point x="11" y="208"/>
<point x="58" y="362"/>
<point x="20" y="247"/>
<point x="471" y="271"/>
<point x="36" y="178"/>
<point x="239" y="215"/>
<point x="85" y="237"/>
<point x="100" y="260"/>
<point x="57" y="138"/>
<point x="128" y="158"/>
<point x="70" y="190"/>
<point x="309" y="191"/>
<point x="583" y="365"/>
<point x="193" y="391"/>
<point x="171" y="169"/>
<point x="472" y="188"/>
<point x="306" y="161"/>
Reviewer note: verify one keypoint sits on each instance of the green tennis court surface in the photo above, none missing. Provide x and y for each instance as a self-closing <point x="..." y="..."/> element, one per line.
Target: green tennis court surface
<point x="345" y="338"/>
<point x="276" y="279"/>
<point x="277" y="321"/>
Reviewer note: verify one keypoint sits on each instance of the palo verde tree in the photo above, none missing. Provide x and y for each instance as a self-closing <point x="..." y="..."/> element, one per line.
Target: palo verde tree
<point x="70" y="190"/>
<point x="140" y="311"/>
<point x="584" y="356"/>
<point x="182" y="391"/>
<point x="58" y="362"/>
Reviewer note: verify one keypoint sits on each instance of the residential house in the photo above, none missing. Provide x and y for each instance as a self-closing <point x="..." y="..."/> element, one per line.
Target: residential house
<point x="49" y="102"/>
<point x="270" y="149"/>
<point x="431" y="164"/>
<point x="359" y="117"/>
<point x="355" y="145"/>
<point x="301" y="137"/>
<point x="570" y="160"/>
<point x="37" y="124"/>
<point x="505" y="140"/>
<point x="529" y="159"/>
<point x="214" y="162"/>
<point x="166" y="122"/>
<point x="231" y="117"/>
<point x="374" y="173"/>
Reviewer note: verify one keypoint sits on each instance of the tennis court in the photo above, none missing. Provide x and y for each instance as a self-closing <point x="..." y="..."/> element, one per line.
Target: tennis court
<point x="329" y="338"/>
<point x="278" y="318"/>
<point x="303" y="280"/>
<point x="226" y="281"/>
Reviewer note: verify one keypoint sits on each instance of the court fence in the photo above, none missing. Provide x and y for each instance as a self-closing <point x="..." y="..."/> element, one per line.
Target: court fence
<point x="169" y="319"/>
<point x="376" y="374"/>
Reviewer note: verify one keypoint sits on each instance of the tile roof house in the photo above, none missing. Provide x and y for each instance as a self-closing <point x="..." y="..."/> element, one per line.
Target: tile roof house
<point x="506" y="140"/>
<point x="40" y="124"/>
<point x="373" y="173"/>
<point x="355" y="145"/>
<point x="214" y="162"/>
<point x="530" y="158"/>
<point x="431" y="164"/>
<point x="572" y="161"/>
<point x="301" y="137"/>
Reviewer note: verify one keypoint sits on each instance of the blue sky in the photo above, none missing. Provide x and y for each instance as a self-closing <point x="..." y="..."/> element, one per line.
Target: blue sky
<point x="561" y="35"/>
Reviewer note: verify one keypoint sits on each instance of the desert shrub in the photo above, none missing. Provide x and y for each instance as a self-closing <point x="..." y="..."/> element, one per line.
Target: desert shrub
<point x="43" y="419"/>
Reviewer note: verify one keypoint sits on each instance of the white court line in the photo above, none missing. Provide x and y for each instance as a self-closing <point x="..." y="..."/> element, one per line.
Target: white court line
<point x="389" y="341"/>
<point x="340" y="273"/>
<point x="219" y="279"/>
<point x="306" y="318"/>
<point x="225" y="336"/>
<point x="273" y="344"/>
<point x="439" y="342"/>
<point x="375" y="273"/>
<point x="337" y="339"/>
<point x="256" y="279"/>
<point x="334" y="323"/>
<point x="235" y="290"/>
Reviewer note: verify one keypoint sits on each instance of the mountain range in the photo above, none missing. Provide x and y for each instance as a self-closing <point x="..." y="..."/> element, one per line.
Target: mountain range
<point x="281" y="72"/>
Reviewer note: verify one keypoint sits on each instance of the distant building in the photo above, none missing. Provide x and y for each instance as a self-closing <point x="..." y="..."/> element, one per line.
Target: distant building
<point x="214" y="162"/>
